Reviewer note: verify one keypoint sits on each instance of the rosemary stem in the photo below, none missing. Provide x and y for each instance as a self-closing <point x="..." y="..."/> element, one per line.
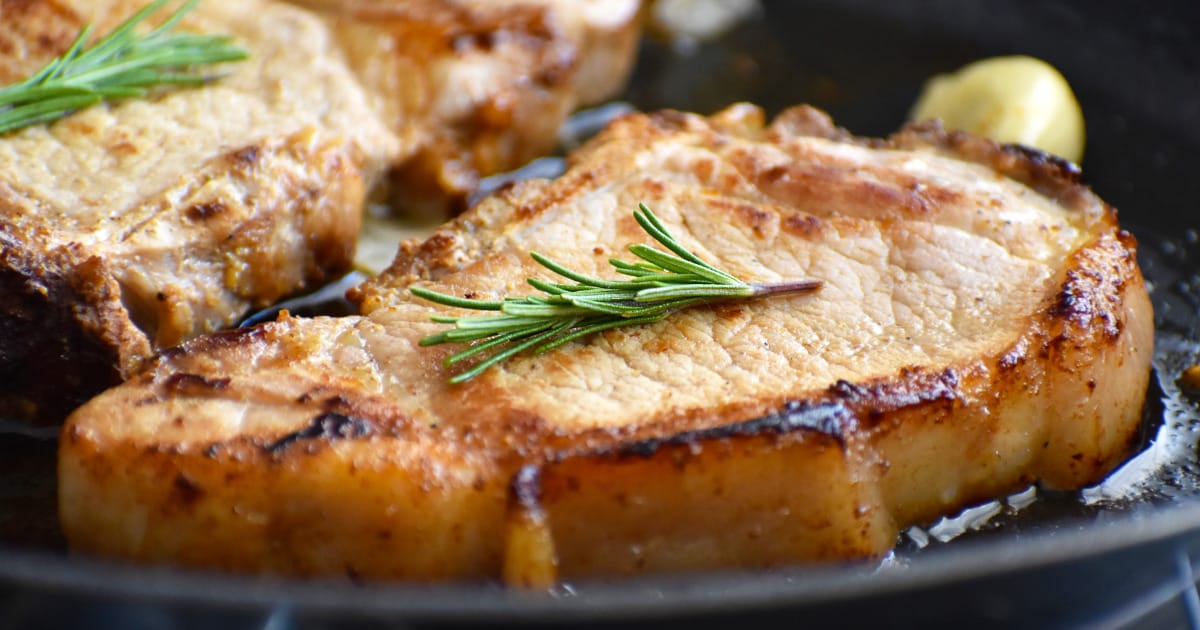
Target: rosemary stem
<point x="120" y="65"/>
<point x="662" y="283"/>
<point x="804" y="285"/>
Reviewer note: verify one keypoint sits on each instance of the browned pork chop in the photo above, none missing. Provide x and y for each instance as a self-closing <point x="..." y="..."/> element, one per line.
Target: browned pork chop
<point x="480" y="86"/>
<point x="983" y="325"/>
<point x="133" y="226"/>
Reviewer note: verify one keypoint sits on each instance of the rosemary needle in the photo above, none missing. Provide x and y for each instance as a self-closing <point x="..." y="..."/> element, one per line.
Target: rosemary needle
<point x="121" y="65"/>
<point x="662" y="284"/>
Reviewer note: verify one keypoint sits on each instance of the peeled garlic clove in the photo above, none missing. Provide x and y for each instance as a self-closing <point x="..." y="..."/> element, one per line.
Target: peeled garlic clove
<point x="1008" y="99"/>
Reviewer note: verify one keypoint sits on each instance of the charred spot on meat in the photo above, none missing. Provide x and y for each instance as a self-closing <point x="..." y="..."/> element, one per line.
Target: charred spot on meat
<point x="997" y="333"/>
<point x="131" y="226"/>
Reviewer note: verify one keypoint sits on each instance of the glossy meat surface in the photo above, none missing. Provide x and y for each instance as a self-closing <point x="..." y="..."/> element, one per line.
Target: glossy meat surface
<point x="983" y="325"/>
<point x="133" y="226"/>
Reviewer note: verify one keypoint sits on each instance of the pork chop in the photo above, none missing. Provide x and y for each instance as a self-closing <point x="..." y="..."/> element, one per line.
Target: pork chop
<point x="136" y="225"/>
<point x="479" y="86"/>
<point x="983" y="325"/>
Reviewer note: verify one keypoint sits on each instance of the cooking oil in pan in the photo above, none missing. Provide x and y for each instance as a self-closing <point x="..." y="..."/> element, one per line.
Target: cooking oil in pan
<point x="1166" y="468"/>
<point x="1167" y="465"/>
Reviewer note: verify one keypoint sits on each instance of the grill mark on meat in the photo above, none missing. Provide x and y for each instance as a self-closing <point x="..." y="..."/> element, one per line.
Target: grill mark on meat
<point x="328" y="426"/>
<point x="914" y="387"/>
<point x="665" y="453"/>
<point x="830" y="419"/>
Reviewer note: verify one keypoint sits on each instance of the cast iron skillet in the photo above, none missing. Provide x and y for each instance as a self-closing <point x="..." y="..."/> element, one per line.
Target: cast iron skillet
<point x="1136" y="70"/>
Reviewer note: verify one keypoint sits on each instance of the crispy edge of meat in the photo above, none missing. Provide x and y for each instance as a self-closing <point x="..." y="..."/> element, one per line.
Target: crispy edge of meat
<point x="82" y="332"/>
<point x="80" y="319"/>
<point x="559" y="56"/>
<point x="567" y="502"/>
<point x="364" y="486"/>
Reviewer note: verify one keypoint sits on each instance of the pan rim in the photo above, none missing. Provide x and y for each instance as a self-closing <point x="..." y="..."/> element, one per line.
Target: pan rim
<point x="638" y="597"/>
<point x="641" y="597"/>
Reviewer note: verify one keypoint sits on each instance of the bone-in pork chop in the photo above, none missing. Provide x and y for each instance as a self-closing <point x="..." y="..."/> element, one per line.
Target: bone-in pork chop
<point x="135" y="225"/>
<point x="983" y="325"/>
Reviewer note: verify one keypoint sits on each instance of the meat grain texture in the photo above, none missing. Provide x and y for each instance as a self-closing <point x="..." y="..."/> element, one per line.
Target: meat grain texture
<point x="132" y="226"/>
<point x="983" y="325"/>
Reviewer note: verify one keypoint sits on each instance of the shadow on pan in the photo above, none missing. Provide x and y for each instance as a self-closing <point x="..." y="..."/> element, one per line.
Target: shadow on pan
<point x="1065" y="561"/>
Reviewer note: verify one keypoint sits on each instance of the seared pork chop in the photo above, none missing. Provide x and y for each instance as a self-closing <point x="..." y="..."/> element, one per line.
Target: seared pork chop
<point x="983" y="325"/>
<point x="479" y="86"/>
<point x="134" y="226"/>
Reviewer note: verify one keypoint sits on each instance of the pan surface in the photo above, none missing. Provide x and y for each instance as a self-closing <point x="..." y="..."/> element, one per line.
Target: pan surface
<point x="1121" y="553"/>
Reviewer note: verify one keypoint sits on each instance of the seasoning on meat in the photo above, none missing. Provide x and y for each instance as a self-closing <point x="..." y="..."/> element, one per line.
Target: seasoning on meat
<point x="132" y="226"/>
<point x="982" y="325"/>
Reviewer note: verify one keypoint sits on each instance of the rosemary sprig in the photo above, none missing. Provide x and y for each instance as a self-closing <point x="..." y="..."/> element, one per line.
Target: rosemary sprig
<point x="663" y="283"/>
<point x="121" y="65"/>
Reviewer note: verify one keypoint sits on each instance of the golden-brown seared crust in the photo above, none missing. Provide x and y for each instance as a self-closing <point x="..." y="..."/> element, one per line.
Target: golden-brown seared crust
<point x="153" y="220"/>
<point x="32" y="33"/>
<point x="983" y="325"/>
<point x="480" y="86"/>
<point x="136" y="225"/>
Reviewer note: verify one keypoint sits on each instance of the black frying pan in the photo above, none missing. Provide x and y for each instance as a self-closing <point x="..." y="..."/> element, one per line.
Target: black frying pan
<point x="1063" y="561"/>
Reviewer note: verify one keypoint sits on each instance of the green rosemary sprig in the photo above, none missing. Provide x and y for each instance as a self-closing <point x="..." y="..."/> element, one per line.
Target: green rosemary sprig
<point x="662" y="284"/>
<point x="121" y="65"/>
